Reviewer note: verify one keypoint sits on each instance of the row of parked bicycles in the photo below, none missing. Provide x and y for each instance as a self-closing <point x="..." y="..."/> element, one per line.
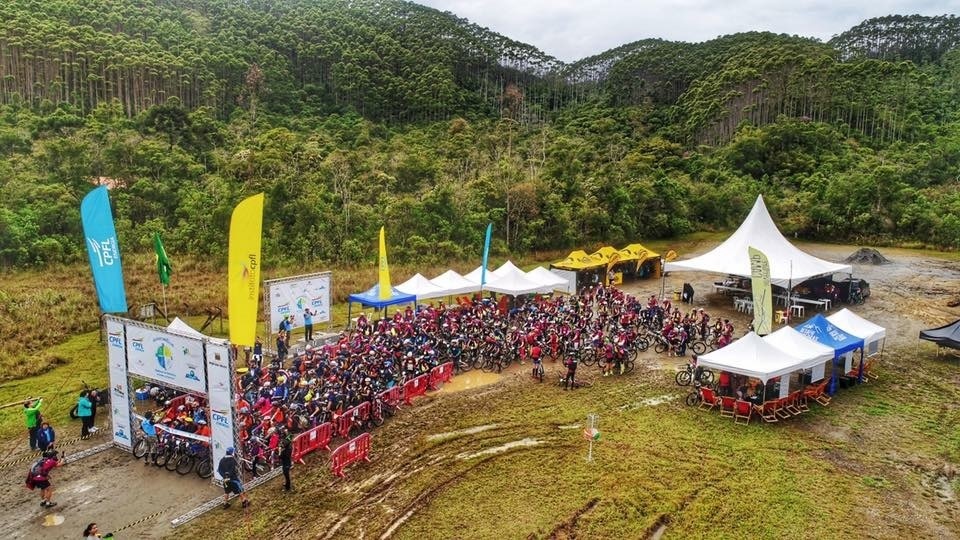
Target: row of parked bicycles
<point x="178" y="454"/>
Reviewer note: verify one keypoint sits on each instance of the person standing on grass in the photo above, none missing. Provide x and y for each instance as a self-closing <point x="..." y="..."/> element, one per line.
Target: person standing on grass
<point x="228" y="470"/>
<point x="308" y="324"/>
<point x="31" y="415"/>
<point x="85" y="413"/>
<point x="94" y="398"/>
<point x="286" y="460"/>
<point x="45" y="437"/>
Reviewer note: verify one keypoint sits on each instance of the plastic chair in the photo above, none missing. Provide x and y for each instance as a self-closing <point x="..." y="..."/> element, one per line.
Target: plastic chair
<point x="782" y="317"/>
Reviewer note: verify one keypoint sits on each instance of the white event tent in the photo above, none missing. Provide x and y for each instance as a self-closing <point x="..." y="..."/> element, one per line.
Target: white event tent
<point x="508" y="279"/>
<point x="788" y="265"/>
<point x="453" y="283"/>
<point x="870" y="333"/>
<point x="815" y="355"/>
<point x="549" y="279"/>
<point x="754" y="357"/>
<point x="422" y="288"/>
<point x="474" y="275"/>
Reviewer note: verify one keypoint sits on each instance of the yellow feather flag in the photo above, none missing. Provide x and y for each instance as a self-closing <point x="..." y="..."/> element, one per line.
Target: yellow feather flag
<point x="243" y="267"/>
<point x="384" y="271"/>
<point x="762" y="294"/>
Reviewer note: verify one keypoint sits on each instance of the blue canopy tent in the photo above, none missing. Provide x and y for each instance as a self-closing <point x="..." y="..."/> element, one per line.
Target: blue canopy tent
<point x="371" y="298"/>
<point x="823" y="331"/>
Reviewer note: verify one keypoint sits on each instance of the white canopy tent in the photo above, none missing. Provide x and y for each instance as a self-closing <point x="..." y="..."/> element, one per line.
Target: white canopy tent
<point x="474" y="275"/>
<point x="513" y="281"/>
<point x="183" y="329"/>
<point x="422" y="288"/>
<point x="506" y="268"/>
<point x="753" y="357"/>
<point x="870" y="333"/>
<point x="815" y="354"/>
<point x="453" y="283"/>
<point x="788" y="265"/>
<point x="548" y="279"/>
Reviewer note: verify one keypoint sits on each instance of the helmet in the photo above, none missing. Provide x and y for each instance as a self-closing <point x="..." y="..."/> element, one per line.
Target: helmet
<point x="230" y="450"/>
<point x="202" y="422"/>
<point x="182" y="408"/>
<point x="50" y="453"/>
<point x="154" y="391"/>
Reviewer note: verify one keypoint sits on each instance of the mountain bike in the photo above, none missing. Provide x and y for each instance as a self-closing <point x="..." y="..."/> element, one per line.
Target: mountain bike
<point x="685" y="376"/>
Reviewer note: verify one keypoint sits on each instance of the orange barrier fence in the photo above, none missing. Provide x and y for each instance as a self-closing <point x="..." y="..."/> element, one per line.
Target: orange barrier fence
<point x="392" y="396"/>
<point x="440" y="374"/>
<point x="308" y="441"/>
<point x="415" y="387"/>
<point x="350" y="452"/>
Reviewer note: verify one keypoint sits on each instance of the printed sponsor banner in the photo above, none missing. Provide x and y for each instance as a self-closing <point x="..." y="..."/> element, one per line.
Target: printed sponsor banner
<point x="163" y="356"/>
<point x="176" y="432"/>
<point x="292" y="296"/>
<point x="762" y="295"/>
<point x="103" y="250"/>
<point x="219" y="372"/>
<point x="243" y="267"/>
<point x="119" y="389"/>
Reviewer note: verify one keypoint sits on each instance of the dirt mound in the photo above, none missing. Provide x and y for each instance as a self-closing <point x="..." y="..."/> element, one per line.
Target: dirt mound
<point x="866" y="256"/>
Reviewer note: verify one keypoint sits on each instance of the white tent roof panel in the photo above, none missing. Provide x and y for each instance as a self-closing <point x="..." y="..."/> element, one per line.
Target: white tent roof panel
<point x="787" y="263"/>
<point x="753" y="357"/>
<point x="422" y="288"/>
<point x="857" y="325"/>
<point x="796" y="344"/>
<point x="453" y="283"/>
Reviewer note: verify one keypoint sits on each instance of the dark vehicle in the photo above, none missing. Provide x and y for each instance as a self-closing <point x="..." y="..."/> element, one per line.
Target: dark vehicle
<point x="853" y="290"/>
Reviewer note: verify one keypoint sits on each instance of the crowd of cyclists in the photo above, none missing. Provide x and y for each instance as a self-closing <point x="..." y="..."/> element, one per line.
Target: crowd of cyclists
<point x="601" y="326"/>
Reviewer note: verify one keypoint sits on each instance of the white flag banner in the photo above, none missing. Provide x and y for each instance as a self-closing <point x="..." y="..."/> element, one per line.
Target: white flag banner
<point x="119" y="387"/>
<point x="220" y="372"/>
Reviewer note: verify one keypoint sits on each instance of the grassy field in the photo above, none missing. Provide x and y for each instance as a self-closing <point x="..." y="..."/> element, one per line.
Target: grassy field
<point x="880" y="462"/>
<point x="875" y="463"/>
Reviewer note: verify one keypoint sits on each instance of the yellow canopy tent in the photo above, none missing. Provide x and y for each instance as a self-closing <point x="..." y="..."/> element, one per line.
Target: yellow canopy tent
<point x="637" y="255"/>
<point x="579" y="260"/>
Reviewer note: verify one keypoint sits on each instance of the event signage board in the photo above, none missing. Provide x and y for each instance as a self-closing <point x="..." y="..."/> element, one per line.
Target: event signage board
<point x="119" y="387"/>
<point x="221" y="401"/>
<point x="291" y="296"/>
<point x="166" y="357"/>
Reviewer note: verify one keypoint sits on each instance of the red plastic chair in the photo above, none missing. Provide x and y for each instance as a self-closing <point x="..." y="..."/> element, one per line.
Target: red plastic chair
<point x="742" y="409"/>
<point x="708" y="398"/>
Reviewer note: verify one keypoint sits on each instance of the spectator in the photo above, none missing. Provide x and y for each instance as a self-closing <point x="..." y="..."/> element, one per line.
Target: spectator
<point x="149" y="431"/>
<point x="94" y="398"/>
<point x="45" y="437"/>
<point x="39" y="477"/>
<point x="227" y="468"/>
<point x="286" y="460"/>
<point x="85" y="412"/>
<point x="32" y="417"/>
<point x="308" y="324"/>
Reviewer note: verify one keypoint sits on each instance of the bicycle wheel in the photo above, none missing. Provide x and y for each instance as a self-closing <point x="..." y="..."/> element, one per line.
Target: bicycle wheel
<point x="139" y="448"/>
<point x="376" y="420"/>
<point x="173" y="459"/>
<point x="161" y="458"/>
<point x="706" y="377"/>
<point x="205" y="468"/>
<point x="642" y="344"/>
<point x="660" y="347"/>
<point x="693" y="398"/>
<point x="683" y="378"/>
<point x="185" y="464"/>
<point x="698" y="347"/>
<point x="539" y="373"/>
<point x="628" y="365"/>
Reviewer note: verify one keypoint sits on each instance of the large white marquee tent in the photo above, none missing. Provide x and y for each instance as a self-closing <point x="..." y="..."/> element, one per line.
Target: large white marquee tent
<point x="788" y="265"/>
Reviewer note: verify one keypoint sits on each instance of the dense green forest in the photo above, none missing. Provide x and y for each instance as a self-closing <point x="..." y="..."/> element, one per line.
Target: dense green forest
<point x="352" y="114"/>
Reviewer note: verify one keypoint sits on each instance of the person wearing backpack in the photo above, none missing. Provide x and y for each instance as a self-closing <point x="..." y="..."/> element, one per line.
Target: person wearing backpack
<point x="45" y="437"/>
<point x="39" y="477"/>
<point x="228" y="470"/>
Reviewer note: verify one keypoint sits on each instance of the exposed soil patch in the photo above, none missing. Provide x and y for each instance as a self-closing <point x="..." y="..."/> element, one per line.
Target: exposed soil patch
<point x="866" y="256"/>
<point x="567" y="529"/>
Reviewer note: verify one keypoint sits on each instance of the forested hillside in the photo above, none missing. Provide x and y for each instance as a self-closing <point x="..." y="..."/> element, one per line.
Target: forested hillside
<point x="352" y="114"/>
